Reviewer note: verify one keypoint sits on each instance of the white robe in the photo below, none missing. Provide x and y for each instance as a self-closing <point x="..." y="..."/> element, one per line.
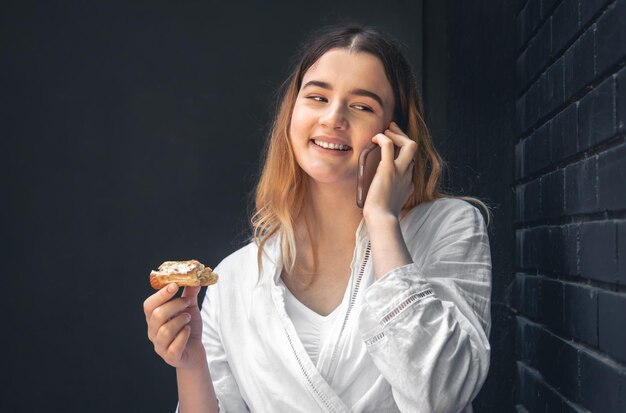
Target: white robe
<point x="416" y="340"/>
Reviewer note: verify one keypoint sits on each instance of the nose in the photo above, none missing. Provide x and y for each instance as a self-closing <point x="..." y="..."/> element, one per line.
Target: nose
<point x="334" y="117"/>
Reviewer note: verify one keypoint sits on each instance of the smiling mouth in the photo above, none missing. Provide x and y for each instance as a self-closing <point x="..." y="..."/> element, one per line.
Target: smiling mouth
<point x="331" y="146"/>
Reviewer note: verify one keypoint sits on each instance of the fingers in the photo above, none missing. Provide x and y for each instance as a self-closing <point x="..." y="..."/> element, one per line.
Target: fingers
<point x="407" y="146"/>
<point x="192" y="294"/>
<point x="387" y="148"/>
<point x="172" y="337"/>
<point x="175" y="350"/>
<point x="394" y="138"/>
<point x="155" y="300"/>
<point x="161" y="315"/>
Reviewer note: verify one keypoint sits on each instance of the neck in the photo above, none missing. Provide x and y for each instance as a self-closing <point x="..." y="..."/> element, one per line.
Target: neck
<point x="331" y="212"/>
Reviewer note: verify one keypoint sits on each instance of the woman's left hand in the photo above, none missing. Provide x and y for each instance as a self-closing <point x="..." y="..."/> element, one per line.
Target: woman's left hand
<point x="393" y="181"/>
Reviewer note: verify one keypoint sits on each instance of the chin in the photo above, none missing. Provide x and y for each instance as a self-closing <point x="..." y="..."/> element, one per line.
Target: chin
<point x="332" y="177"/>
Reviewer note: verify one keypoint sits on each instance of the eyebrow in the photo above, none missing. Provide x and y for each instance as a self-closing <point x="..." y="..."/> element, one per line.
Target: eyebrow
<point x="358" y="92"/>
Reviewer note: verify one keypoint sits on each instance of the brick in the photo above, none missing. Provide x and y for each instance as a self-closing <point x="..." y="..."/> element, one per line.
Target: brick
<point x="540" y="49"/>
<point x="518" y="291"/>
<point x="580" y="313"/>
<point x="564" y="134"/>
<point x="521" y="66"/>
<point x="552" y="186"/>
<point x="521" y="116"/>
<point x="546" y="7"/>
<point x="525" y="391"/>
<point x="621" y="100"/>
<point x="546" y="390"/>
<point x="532" y="200"/>
<point x="540" y="299"/>
<point x="520" y="409"/>
<point x="532" y="106"/>
<point x="535" y="245"/>
<point x="581" y="188"/>
<point x="551" y="88"/>
<point x="612" y="316"/>
<point x="551" y="304"/>
<point x="558" y="363"/>
<point x="611" y="36"/>
<point x="565" y="24"/>
<point x="537" y="150"/>
<point x="596" y="115"/>
<point x="532" y="17"/>
<point x="536" y="394"/>
<point x="589" y="8"/>
<point x="579" y="64"/>
<point x="611" y="178"/>
<point x="525" y="246"/>
<point x="520" y="5"/>
<point x="526" y="341"/>
<point x="519" y="160"/>
<point x="621" y="252"/>
<point x="557" y="246"/>
<point x="568" y="261"/>
<point x="569" y="407"/>
<point x="543" y="248"/>
<point x="529" y="305"/>
<point x="602" y="384"/>
<point x="519" y="203"/>
<point x="597" y="251"/>
<point x="522" y="27"/>
<point x="519" y="246"/>
<point x="521" y="30"/>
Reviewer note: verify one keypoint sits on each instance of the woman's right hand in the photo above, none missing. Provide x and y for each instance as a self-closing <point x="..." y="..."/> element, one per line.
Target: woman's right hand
<point x="175" y="326"/>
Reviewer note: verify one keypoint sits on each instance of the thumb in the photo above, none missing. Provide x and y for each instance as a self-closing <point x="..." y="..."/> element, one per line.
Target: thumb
<point x="191" y="292"/>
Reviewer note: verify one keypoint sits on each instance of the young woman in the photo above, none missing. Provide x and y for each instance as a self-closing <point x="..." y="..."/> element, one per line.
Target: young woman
<point x="334" y="308"/>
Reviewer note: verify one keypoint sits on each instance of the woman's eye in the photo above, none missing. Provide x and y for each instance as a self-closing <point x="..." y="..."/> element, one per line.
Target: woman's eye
<point x="363" y="108"/>
<point x="317" y="98"/>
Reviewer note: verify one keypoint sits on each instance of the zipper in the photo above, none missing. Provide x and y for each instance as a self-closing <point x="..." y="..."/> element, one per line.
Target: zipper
<point x="355" y="291"/>
<point x="317" y="392"/>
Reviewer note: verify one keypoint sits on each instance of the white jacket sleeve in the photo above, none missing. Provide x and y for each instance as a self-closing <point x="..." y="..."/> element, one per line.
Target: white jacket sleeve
<point x="427" y="327"/>
<point x="226" y="388"/>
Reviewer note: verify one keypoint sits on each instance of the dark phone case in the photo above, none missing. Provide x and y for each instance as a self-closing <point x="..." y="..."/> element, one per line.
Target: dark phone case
<point x="368" y="163"/>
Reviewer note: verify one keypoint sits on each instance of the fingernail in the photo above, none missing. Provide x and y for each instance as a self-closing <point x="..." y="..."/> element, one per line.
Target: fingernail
<point x="172" y="288"/>
<point x="188" y="317"/>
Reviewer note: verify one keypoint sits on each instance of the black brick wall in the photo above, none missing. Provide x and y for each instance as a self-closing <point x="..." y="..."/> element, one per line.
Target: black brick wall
<point x="570" y="287"/>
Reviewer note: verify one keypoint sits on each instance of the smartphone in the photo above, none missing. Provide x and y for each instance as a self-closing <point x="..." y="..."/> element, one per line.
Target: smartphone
<point x="368" y="163"/>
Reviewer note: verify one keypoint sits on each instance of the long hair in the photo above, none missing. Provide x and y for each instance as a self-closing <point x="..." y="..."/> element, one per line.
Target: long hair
<point x="281" y="190"/>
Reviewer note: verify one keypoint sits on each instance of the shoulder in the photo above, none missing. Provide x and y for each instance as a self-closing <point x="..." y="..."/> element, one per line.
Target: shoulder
<point x="241" y="268"/>
<point x="442" y="218"/>
<point x="238" y="268"/>
<point x="239" y="258"/>
<point x="442" y="211"/>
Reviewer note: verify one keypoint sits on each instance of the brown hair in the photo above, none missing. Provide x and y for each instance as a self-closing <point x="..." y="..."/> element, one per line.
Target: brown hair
<point x="281" y="188"/>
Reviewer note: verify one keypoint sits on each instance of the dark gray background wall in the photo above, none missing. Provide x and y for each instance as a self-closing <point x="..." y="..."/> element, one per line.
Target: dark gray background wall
<point x="571" y="197"/>
<point x="130" y="134"/>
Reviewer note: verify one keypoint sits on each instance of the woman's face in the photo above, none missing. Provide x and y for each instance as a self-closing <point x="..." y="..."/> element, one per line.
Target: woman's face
<point x="345" y="99"/>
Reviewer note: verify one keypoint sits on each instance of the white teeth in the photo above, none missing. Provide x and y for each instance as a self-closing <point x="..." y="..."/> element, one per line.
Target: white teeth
<point x="334" y="146"/>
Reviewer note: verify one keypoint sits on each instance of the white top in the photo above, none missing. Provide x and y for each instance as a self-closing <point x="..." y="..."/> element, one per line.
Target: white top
<point x="413" y="341"/>
<point x="313" y="329"/>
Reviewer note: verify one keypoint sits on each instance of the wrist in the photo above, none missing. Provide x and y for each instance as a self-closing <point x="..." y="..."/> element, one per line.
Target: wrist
<point x="194" y="368"/>
<point x="196" y="361"/>
<point x="380" y="219"/>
